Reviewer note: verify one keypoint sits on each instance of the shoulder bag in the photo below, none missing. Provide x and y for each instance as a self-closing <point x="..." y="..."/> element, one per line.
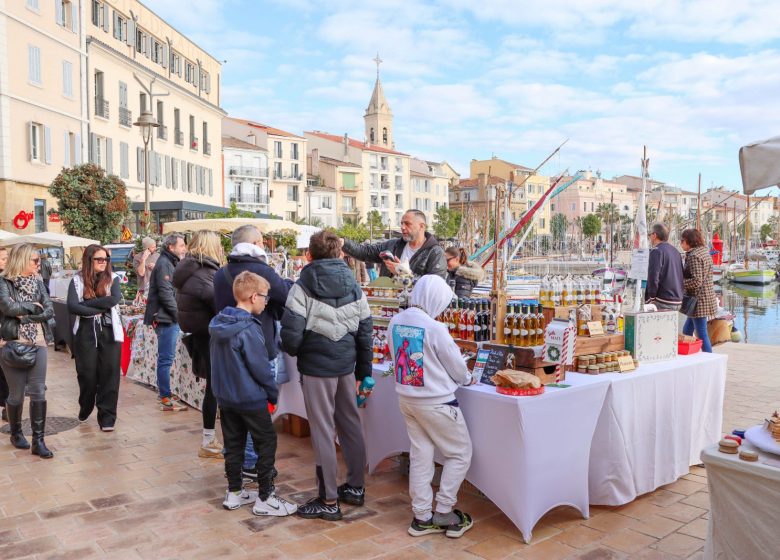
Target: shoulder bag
<point x="18" y="355"/>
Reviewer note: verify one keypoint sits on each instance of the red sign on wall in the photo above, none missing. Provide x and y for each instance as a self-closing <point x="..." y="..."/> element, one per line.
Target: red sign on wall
<point x="22" y="219"/>
<point x="54" y="218"/>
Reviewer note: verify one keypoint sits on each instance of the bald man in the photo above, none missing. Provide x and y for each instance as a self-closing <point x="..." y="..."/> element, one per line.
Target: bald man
<point x="416" y="246"/>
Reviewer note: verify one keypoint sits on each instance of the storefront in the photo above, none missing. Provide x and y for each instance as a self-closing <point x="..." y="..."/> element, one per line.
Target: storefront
<point x="173" y="211"/>
<point x="24" y="209"/>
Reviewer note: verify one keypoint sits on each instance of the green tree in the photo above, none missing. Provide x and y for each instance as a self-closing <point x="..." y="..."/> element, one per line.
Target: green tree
<point x="90" y="203"/>
<point x="765" y="232"/>
<point x="374" y="223"/>
<point x="354" y="230"/>
<point x="607" y="211"/>
<point x="446" y="223"/>
<point x="591" y="226"/>
<point x="558" y="226"/>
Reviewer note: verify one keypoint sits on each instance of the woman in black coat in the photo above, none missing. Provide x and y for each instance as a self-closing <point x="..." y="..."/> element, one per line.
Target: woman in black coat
<point x="462" y="275"/>
<point x="194" y="283"/>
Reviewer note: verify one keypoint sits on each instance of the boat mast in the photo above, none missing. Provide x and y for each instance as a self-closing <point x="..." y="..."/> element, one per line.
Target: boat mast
<point x="747" y="231"/>
<point x="698" y="206"/>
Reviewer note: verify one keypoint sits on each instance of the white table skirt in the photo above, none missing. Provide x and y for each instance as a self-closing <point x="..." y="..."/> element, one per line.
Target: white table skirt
<point x="654" y="424"/>
<point x="744" y="505"/>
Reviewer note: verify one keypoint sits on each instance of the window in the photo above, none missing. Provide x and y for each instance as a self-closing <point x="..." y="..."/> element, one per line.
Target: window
<point x="573" y="207"/>
<point x="326" y="203"/>
<point x="67" y="79"/>
<point x="399" y="200"/>
<point x="591" y="206"/>
<point x="32" y="4"/>
<point x="205" y="81"/>
<point x="278" y="170"/>
<point x="206" y="146"/>
<point x="142" y="102"/>
<point x="34" y="69"/>
<point x="584" y="206"/>
<point x="348" y="180"/>
<point x="374" y="161"/>
<point x="193" y="139"/>
<point x="160" y="114"/>
<point x="277" y="149"/>
<point x="99" y="13"/>
<point x="65" y="11"/>
<point x="541" y="222"/>
<point x="36" y="142"/>
<point x="124" y="160"/>
<point x="372" y="135"/>
<point x="157" y="51"/>
<point x="177" y="127"/>
<point x="292" y="193"/>
<point x="294" y="171"/>
<point x="384" y="135"/>
<point x="40" y="215"/>
<point x="374" y="201"/>
<point x="293" y="151"/>
<point x="69" y="140"/>
<point x="120" y="26"/>
<point x="348" y="204"/>
<point x="175" y="63"/>
<point x="189" y="72"/>
<point x="552" y="207"/>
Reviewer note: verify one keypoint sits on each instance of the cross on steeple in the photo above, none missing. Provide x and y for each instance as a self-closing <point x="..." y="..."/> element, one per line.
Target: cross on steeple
<point x="378" y="61"/>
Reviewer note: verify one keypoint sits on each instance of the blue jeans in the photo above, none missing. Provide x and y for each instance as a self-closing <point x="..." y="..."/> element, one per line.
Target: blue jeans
<point x="250" y="457"/>
<point x="700" y="324"/>
<point x="167" y="337"/>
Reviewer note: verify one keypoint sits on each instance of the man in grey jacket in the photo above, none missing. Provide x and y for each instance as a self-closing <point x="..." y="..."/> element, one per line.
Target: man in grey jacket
<point x="416" y="246"/>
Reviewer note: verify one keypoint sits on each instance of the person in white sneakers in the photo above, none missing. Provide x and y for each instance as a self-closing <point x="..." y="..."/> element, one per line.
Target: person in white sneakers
<point x="246" y="393"/>
<point x="428" y="369"/>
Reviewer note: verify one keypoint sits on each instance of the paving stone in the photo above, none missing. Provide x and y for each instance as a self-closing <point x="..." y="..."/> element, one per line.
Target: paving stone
<point x="680" y="545"/>
<point x="499" y="546"/>
<point x="627" y="540"/>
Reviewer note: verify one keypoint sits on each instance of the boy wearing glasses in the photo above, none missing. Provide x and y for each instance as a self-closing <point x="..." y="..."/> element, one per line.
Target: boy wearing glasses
<point x="243" y="383"/>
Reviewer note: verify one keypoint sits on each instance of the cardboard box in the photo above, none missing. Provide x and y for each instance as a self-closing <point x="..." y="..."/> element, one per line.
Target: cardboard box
<point x="562" y="312"/>
<point x="652" y="337"/>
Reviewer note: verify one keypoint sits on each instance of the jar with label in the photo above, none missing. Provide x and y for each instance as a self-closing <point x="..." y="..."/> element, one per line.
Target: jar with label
<point x="593" y="370"/>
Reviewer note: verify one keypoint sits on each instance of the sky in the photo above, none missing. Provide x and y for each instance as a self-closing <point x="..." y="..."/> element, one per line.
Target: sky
<point x="466" y="79"/>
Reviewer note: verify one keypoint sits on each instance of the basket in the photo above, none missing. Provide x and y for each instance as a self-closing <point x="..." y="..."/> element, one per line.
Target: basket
<point x="519" y="392"/>
<point x="689" y="347"/>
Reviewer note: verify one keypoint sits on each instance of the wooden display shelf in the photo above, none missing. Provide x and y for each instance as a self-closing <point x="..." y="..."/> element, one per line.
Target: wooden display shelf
<point x="295" y="425"/>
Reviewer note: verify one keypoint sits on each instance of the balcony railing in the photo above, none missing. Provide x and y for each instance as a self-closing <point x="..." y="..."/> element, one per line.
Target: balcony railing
<point x="101" y="107"/>
<point x="178" y="137"/>
<point x="287" y="177"/>
<point x="249" y="198"/>
<point x="399" y="185"/>
<point x="207" y="148"/>
<point x="385" y="185"/>
<point x="240" y="171"/>
<point x="162" y="132"/>
<point x="193" y="142"/>
<point x="399" y="168"/>
<point x="125" y="116"/>
<point x="349" y="210"/>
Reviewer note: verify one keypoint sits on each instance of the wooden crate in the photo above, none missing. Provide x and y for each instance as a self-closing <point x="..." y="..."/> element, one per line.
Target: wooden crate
<point x="524" y="360"/>
<point x="469" y="346"/>
<point x="295" y="425"/>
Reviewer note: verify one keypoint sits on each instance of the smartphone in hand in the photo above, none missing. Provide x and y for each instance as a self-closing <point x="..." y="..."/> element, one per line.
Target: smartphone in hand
<point x="388" y="256"/>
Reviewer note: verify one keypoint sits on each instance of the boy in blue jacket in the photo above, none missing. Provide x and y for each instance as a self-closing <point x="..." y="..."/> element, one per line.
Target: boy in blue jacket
<point x="246" y="393"/>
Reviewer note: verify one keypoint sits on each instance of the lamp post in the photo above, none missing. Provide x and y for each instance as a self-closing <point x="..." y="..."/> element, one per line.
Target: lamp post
<point x="146" y="122"/>
<point x="308" y="190"/>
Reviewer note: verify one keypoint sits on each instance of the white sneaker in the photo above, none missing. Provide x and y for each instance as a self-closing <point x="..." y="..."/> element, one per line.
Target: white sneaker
<point x="234" y="500"/>
<point x="274" y="506"/>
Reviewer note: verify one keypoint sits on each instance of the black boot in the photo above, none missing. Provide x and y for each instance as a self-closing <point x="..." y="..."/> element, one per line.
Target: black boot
<point x="15" y="423"/>
<point x="38" y="422"/>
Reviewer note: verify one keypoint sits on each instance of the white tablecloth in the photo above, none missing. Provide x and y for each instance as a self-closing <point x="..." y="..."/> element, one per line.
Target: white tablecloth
<point x="744" y="506"/>
<point x="654" y="424"/>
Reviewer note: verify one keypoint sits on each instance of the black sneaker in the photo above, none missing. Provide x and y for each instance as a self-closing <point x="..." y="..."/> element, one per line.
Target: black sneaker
<point x="317" y="509"/>
<point x="352" y="495"/>
<point x="419" y="528"/>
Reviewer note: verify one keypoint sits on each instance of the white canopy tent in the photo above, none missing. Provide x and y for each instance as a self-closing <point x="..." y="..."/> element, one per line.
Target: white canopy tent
<point x="51" y="239"/>
<point x="6" y="235"/>
<point x="231" y="224"/>
<point x="759" y="163"/>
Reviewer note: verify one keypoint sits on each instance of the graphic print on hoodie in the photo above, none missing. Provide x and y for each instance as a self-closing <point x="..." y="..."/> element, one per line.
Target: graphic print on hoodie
<point x="408" y="362"/>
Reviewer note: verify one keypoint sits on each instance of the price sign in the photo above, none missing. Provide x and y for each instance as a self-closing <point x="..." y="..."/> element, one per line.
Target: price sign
<point x="640" y="258"/>
<point x="626" y="363"/>
<point x="488" y="363"/>
<point x="595" y="328"/>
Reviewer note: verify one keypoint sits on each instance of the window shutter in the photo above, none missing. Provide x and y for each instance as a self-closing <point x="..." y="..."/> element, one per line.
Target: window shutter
<point x="74" y="17"/>
<point x="123" y="149"/>
<point x="140" y="159"/>
<point x="47" y="144"/>
<point x="58" y="11"/>
<point x="164" y="56"/>
<point x="31" y="63"/>
<point x="148" y="42"/>
<point x="30" y="140"/>
<point x="109" y="156"/>
<point x="211" y="182"/>
<point x="158" y="168"/>
<point x="130" y="39"/>
<point x="105" y="17"/>
<point x="77" y="150"/>
<point x="66" y="143"/>
<point x="123" y="95"/>
<point x="92" y="141"/>
<point x="167" y="172"/>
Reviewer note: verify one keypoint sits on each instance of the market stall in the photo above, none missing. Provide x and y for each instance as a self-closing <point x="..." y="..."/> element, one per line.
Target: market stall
<point x="231" y="224"/>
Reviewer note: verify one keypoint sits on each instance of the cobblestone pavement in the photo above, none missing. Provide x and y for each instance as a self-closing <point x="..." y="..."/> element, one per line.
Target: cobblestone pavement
<point x="142" y="492"/>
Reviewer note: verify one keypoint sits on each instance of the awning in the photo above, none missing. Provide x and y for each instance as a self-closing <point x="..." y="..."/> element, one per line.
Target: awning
<point x="231" y="224"/>
<point x="759" y="163"/>
<point x="50" y="239"/>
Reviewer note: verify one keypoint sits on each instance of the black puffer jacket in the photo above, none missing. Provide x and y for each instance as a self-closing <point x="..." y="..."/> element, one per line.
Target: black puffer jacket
<point x="161" y="300"/>
<point x="327" y="322"/>
<point x="465" y="278"/>
<point x="429" y="259"/>
<point x="194" y="283"/>
<point x="11" y="308"/>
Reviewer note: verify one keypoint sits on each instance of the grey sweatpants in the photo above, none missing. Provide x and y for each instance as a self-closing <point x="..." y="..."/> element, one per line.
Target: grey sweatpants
<point x="332" y="411"/>
<point x="34" y="379"/>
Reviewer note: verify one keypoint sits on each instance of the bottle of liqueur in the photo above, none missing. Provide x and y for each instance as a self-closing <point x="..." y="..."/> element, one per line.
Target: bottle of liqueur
<point x="462" y="321"/>
<point x="517" y="320"/>
<point x="470" y="319"/>
<point x="524" y="324"/>
<point x="508" y="324"/>
<point x="531" y="326"/>
<point x="540" y="325"/>
<point x="485" y="323"/>
<point x="478" y="320"/>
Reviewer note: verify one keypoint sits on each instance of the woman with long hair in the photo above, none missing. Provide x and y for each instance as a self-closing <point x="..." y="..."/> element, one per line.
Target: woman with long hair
<point x="697" y="282"/>
<point x="93" y="297"/>
<point x="25" y="315"/>
<point x="462" y="275"/>
<point x="194" y="283"/>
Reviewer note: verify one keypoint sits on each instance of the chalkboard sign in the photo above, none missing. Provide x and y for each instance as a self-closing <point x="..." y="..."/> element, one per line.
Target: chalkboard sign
<point x="488" y="363"/>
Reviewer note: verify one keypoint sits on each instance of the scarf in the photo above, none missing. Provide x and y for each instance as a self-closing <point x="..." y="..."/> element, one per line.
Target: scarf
<point x="27" y="290"/>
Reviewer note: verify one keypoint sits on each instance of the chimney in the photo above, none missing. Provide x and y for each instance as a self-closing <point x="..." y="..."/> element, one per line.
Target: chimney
<point x="346" y="145"/>
<point x="481" y="179"/>
<point x="315" y="161"/>
<point x="251" y="138"/>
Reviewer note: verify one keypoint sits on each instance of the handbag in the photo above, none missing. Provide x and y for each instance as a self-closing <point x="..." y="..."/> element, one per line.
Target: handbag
<point x="18" y="355"/>
<point x="688" y="305"/>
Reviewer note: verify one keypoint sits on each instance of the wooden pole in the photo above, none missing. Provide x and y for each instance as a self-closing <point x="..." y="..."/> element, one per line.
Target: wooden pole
<point x="747" y="231"/>
<point x="698" y="206"/>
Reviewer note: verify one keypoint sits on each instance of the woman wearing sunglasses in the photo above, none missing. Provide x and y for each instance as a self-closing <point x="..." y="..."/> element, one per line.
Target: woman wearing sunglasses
<point x="26" y="310"/>
<point x="93" y="297"/>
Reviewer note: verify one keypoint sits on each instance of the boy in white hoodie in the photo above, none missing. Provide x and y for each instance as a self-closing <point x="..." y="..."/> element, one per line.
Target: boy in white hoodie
<point x="428" y="369"/>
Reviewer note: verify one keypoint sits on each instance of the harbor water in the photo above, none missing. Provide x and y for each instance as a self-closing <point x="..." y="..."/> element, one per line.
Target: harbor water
<point x="756" y="310"/>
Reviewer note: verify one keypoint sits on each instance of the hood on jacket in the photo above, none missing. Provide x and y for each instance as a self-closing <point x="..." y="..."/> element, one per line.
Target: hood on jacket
<point x="170" y="256"/>
<point x="229" y="322"/>
<point x="188" y="267"/>
<point x="470" y="271"/>
<point x="328" y="279"/>
<point x="249" y="250"/>
<point x="432" y="294"/>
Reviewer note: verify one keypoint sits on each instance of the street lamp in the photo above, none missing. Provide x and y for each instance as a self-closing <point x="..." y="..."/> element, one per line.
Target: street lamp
<point x="146" y="122"/>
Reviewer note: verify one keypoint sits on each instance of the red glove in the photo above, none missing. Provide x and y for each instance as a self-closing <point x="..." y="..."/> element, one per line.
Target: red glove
<point x="271" y="408"/>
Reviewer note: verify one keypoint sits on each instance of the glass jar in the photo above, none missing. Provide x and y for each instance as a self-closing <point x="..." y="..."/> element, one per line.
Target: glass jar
<point x="593" y="370"/>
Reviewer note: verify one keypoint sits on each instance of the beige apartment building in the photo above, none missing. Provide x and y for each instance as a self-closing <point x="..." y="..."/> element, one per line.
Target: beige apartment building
<point x="332" y="189"/>
<point x="286" y="164"/>
<point x="721" y="205"/>
<point x="585" y="195"/>
<point x="137" y="62"/>
<point x="42" y="114"/>
<point x="430" y="186"/>
<point x="668" y="201"/>
<point x="246" y="175"/>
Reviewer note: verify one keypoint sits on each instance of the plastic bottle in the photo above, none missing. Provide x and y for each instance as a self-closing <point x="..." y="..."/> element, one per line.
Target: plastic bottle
<point x="364" y="391"/>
